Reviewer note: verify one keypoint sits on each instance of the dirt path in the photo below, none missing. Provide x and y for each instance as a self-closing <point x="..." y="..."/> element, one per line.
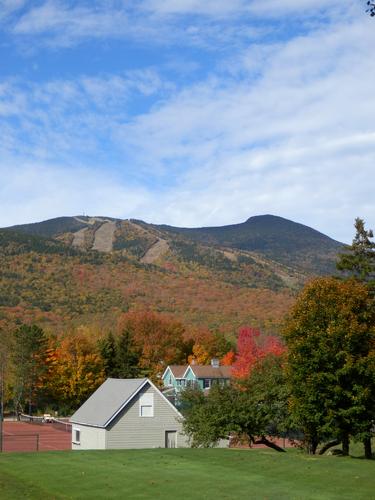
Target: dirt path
<point x="230" y="255"/>
<point x="104" y="237"/>
<point x="155" y="251"/>
<point x="88" y="221"/>
<point x="79" y="238"/>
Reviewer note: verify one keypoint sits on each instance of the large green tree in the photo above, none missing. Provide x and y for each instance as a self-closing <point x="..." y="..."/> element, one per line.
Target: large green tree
<point x="28" y="357"/>
<point x="254" y="408"/>
<point x="330" y="339"/>
<point x="358" y="262"/>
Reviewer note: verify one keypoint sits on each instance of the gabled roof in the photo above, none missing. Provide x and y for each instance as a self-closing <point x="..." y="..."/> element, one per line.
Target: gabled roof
<point x="177" y="370"/>
<point x="110" y="399"/>
<point x="107" y="401"/>
<point x="208" y="371"/>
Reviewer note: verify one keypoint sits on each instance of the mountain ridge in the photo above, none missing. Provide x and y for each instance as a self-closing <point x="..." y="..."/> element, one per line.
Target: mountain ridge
<point x="273" y="237"/>
<point x="53" y="272"/>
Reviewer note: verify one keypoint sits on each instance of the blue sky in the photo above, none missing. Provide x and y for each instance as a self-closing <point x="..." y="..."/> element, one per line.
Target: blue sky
<point x="188" y="112"/>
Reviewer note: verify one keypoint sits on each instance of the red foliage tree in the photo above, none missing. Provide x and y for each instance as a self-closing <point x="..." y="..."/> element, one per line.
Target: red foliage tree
<point x="252" y="347"/>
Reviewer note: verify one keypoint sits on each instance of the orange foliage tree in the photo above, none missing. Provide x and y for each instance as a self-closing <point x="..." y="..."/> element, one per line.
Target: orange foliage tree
<point x="74" y="372"/>
<point x="228" y="359"/>
<point x="208" y="345"/>
<point x="159" y="338"/>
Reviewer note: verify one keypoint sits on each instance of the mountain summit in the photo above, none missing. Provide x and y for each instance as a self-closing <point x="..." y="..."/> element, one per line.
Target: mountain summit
<point x="279" y="239"/>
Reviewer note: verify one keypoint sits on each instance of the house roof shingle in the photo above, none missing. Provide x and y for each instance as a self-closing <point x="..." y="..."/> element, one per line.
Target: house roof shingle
<point x="107" y="401"/>
<point x="208" y="371"/>
<point x="178" y="370"/>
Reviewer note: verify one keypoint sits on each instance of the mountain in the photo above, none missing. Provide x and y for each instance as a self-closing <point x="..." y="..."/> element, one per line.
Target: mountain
<point x="274" y="237"/>
<point x="283" y="241"/>
<point x="88" y="270"/>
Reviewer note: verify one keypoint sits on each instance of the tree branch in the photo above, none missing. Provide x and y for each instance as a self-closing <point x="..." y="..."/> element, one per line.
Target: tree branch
<point x="270" y="444"/>
<point x="329" y="445"/>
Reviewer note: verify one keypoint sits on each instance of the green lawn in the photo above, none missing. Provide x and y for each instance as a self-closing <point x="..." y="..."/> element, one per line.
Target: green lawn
<point x="184" y="474"/>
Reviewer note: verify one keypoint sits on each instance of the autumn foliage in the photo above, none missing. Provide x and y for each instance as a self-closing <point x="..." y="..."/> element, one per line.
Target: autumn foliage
<point x="74" y="371"/>
<point x="142" y="344"/>
<point x="253" y="347"/>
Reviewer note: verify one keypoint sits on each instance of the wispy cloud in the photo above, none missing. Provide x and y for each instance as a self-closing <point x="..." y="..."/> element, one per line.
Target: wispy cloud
<point x="69" y="118"/>
<point x="65" y="23"/>
<point x="297" y="139"/>
<point x="9" y="7"/>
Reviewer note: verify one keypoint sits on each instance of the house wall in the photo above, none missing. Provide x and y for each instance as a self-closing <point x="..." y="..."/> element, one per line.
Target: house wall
<point x="92" y="438"/>
<point x="129" y="430"/>
<point x="169" y="375"/>
<point x="190" y="377"/>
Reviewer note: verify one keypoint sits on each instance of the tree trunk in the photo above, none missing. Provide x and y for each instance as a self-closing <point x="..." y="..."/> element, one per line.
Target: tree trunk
<point x="270" y="444"/>
<point x="345" y="445"/>
<point x="367" y="445"/>
<point x="329" y="445"/>
<point x="312" y="445"/>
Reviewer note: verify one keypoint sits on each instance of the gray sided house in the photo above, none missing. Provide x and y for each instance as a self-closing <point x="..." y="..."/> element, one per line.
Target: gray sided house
<point x="127" y="413"/>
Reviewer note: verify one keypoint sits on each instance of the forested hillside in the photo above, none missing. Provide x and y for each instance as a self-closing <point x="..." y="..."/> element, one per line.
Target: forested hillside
<point x="49" y="283"/>
<point x="277" y="238"/>
<point x="220" y="278"/>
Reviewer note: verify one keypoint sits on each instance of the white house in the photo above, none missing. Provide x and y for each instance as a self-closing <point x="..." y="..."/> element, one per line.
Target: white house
<point x="127" y="413"/>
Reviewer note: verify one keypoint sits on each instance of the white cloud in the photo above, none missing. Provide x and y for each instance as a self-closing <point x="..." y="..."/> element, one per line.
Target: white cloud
<point x="286" y="7"/>
<point x="183" y="22"/>
<point x="298" y="140"/>
<point x="34" y="192"/>
<point x="283" y="127"/>
<point x="212" y="8"/>
<point x="68" y="119"/>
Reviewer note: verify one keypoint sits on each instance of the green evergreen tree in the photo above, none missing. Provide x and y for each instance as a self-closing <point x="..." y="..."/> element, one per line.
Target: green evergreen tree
<point x="371" y="8"/>
<point x="359" y="259"/>
<point x="127" y="356"/>
<point x="28" y="356"/>
<point x="108" y="353"/>
<point x="359" y="262"/>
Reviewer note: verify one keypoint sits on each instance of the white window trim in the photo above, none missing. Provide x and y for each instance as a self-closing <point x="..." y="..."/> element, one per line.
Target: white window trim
<point x="209" y="383"/>
<point x="74" y="441"/>
<point x="146" y="401"/>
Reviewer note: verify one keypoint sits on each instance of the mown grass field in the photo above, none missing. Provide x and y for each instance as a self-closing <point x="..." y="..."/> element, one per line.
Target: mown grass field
<point x="184" y="474"/>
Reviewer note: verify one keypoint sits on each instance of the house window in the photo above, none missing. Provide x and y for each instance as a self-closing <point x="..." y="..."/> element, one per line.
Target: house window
<point x="76" y="436"/>
<point x="206" y="383"/>
<point x="146" y="405"/>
